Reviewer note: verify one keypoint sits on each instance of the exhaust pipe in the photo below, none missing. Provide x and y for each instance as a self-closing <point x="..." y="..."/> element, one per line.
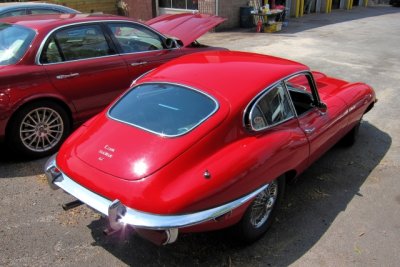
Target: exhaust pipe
<point x="72" y="204"/>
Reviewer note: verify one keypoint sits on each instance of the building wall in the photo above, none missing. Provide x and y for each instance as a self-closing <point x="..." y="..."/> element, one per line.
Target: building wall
<point x="140" y="9"/>
<point x="231" y="11"/>
<point x="88" y="6"/>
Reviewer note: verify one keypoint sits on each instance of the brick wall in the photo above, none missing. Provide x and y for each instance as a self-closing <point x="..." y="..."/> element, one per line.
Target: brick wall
<point x="88" y="6"/>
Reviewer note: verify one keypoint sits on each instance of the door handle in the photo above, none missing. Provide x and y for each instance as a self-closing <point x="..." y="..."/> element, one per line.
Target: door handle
<point x="66" y="76"/>
<point x="309" y="130"/>
<point x="134" y="64"/>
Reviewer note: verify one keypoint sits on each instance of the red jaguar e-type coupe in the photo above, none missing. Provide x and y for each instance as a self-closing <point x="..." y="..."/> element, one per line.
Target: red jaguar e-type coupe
<point x="206" y="142"/>
<point x="57" y="71"/>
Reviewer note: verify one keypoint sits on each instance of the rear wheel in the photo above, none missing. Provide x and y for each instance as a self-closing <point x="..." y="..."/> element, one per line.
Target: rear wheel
<point x="38" y="129"/>
<point x="261" y="213"/>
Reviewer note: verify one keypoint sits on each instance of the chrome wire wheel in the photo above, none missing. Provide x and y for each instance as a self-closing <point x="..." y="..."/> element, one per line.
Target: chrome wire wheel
<point x="263" y="205"/>
<point x="41" y="129"/>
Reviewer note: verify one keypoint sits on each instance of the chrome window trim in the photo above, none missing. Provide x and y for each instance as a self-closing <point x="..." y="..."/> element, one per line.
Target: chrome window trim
<point x="314" y="93"/>
<point x="257" y="99"/>
<point x="254" y="100"/>
<point x="49" y="34"/>
<point x="291" y="100"/>
<point x="170" y="83"/>
<point x="137" y="218"/>
<point x="260" y="98"/>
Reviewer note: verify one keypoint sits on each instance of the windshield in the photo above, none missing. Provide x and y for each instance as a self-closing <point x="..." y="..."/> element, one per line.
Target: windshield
<point x="165" y="109"/>
<point x="14" y="41"/>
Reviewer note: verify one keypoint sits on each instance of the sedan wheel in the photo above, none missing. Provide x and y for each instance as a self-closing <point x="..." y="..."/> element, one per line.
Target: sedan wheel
<point x="38" y="129"/>
<point x="261" y="212"/>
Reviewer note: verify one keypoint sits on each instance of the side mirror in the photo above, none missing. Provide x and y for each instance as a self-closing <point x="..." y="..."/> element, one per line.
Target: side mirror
<point x="171" y="43"/>
<point x="322" y="107"/>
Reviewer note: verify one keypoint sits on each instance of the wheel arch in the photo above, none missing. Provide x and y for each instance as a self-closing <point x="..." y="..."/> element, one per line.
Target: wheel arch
<point x="369" y="107"/>
<point x="55" y="100"/>
<point x="290" y="175"/>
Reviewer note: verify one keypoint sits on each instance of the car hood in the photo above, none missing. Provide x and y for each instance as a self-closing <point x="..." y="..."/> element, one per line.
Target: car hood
<point x="187" y="27"/>
<point x="130" y="153"/>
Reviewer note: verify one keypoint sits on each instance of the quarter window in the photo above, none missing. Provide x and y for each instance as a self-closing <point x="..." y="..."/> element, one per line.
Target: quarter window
<point x="271" y="108"/>
<point x="135" y="38"/>
<point x="76" y="43"/>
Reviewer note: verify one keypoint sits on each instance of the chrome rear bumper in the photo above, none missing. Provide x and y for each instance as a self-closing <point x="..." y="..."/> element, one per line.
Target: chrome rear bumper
<point x="120" y="214"/>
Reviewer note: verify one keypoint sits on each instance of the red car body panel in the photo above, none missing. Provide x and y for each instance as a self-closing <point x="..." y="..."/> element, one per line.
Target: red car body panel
<point x="101" y="155"/>
<point x="99" y="79"/>
<point x="173" y="182"/>
<point x="186" y="27"/>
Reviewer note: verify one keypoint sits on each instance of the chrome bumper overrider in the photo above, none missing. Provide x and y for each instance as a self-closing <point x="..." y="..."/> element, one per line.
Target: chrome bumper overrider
<point x="119" y="214"/>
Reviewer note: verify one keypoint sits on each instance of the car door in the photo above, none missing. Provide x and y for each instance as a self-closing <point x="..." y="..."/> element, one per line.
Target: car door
<point x="142" y="48"/>
<point x="281" y="142"/>
<point x="322" y="126"/>
<point x="84" y="67"/>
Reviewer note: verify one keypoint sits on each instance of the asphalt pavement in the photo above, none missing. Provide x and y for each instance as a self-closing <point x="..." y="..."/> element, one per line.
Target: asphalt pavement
<point x="343" y="211"/>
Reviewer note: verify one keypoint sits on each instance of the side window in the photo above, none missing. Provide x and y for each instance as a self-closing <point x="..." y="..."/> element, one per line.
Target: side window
<point x="50" y="53"/>
<point x="19" y="12"/>
<point x="43" y="11"/>
<point x="79" y="42"/>
<point x="271" y="108"/>
<point x="301" y="93"/>
<point x="135" y="38"/>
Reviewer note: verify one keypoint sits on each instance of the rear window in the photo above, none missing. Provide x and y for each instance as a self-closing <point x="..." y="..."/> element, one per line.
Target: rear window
<point x="164" y="109"/>
<point x="14" y="41"/>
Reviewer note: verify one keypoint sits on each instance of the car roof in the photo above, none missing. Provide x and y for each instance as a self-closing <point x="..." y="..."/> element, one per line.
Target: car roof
<point x="235" y="76"/>
<point x="49" y="21"/>
<point x="18" y="5"/>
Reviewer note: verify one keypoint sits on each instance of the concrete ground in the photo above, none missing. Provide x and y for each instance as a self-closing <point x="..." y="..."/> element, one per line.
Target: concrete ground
<point x="343" y="211"/>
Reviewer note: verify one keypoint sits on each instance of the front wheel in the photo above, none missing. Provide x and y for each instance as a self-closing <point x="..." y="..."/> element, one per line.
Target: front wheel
<point x="350" y="138"/>
<point x="261" y="212"/>
<point x="38" y="129"/>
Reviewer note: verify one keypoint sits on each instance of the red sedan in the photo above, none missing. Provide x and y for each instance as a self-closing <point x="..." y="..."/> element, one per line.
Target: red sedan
<point x="57" y="71"/>
<point x="207" y="141"/>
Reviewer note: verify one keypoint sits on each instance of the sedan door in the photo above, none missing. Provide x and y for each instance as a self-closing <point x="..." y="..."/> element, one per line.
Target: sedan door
<point x="84" y="67"/>
<point x="142" y="48"/>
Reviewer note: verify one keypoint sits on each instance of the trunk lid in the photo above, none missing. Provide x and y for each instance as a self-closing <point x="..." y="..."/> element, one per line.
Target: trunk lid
<point x="131" y="153"/>
<point x="186" y="27"/>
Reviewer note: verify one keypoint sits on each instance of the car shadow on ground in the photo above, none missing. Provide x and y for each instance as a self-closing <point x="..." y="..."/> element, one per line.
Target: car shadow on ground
<point x="316" y="20"/>
<point x="312" y="203"/>
<point x="12" y="165"/>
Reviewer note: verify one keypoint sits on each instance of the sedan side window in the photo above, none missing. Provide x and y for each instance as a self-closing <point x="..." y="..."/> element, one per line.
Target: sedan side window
<point x="43" y="11"/>
<point x="76" y="43"/>
<point x="19" y="12"/>
<point x="135" y="38"/>
<point x="51" y="52"/>
<point x="271" y="108"/>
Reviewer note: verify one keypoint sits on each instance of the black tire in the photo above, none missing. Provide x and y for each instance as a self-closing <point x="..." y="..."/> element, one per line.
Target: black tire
<point x="350" y="138"/>
<point x="248" y="230"/>
<point x="38" y="129"/>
